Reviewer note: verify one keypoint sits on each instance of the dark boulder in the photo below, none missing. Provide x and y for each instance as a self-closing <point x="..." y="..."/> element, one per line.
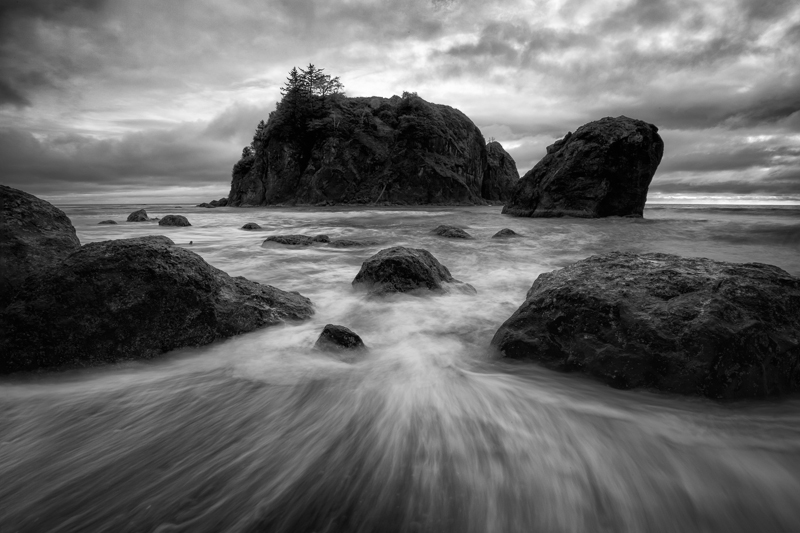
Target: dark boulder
<point x="296" y="240"/>
<point x="451" y="232"/>
<point x="251" y="226"/>
<point x="34" y="234"/>
<point x="222" y="202"/>
<point x="107" y="222"/>
<point x="603" y="169"/>
<point x="338" y="338"/>
<point x="138" y="216"/>
<point x="505" y="233"/>
<point x="683" y="325"/>
<point x="132" y="299"/>
<point x="174" y="220"/>
<point x="368" y="151"/>
<point x="400" y="269"/>
<point x="501" y="173"/>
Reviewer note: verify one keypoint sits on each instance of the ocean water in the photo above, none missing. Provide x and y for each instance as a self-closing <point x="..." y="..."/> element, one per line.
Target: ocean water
<point x="426" y="432"/>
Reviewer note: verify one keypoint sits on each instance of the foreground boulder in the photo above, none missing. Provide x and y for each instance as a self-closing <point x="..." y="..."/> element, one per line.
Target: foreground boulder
<point x="372" y="150"/>
<point x="132" y="299"/>
<point x="400" y="269"/>
<point x="337" y="339"/>
<point x="451" y="232"/>
<point x="34" y="234"/>
<point x="296" y="240"/>
<point x="683" y="325"/>
<point x="138" y="216"/>
<point x="603" y="169"/>
<point x="174" y="220"/>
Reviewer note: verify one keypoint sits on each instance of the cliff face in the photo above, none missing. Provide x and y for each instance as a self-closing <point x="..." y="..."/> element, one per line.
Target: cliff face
<point x="370" y="150"/>
<point x="501" y="173"/>
<point x="603" y="169"/>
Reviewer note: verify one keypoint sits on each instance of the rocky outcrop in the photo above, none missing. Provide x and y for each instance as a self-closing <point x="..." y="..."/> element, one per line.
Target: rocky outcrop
<point x="451" y="232"/>
<point x="683" y="325"/>
<point x="222" y="202"/>
<point x="174" y="220"/>
<point x="603" y="169"/>
<point x="400" y="269"/>
<point x="132" y="299"/>
<point x="505" y="233"/>
<point x="107" y="222"/>
<point x="34" y="234"/>
<point x="337" y="339"/>
<point x="138" y="216"/>
<point x="251" y="226"/>
<point x="369" y="150"/>
<point x="296" y="240"/>
<point x="501" y="173"/>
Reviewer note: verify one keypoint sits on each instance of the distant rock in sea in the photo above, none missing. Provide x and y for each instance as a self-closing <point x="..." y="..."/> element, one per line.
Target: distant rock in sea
<point x="174" y="220"/>
<point x="132" y="299"/>
<point x="350" y="243"/>
<point x="451" y="232"/>
<point x="251" y="226"/>
<point x="34" y="234"/>
<point x="505" y="233"/>
<point x="682" y="325"/>
<point x="296" y="240"/>
<point x="603" y="169"/>
<point x="399" y="150"/>
<point x="338" y="339"/>
<point x="138" y="216"/>
<point x="222" y="202"/>
<point x="107" y="222"/>
<point x="400" y="269"/>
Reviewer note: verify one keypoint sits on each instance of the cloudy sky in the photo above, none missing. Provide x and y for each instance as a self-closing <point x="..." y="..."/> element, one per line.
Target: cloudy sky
<point x="153" y="100"/>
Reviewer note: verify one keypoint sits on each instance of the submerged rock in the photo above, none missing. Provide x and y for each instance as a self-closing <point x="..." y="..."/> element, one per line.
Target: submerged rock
<point x="133" y="299"/>
<point x="505" y="233"/>
<point x="400" y="269"/>
<point x="604" y="169"/>
<point x="451" y="232"/>
<point x="296" y="240"/>
<point x="251" y="226"/>
<point x="350" y="243"/>
<point x="338" y="338"/>
<point x="174" y="220"/>
<point x="138" y="216"/>
<point x="683" y="325"/>
<point x="34" y="234"/>
<point x="107" y="222"/>
<point x="369" y="151"/>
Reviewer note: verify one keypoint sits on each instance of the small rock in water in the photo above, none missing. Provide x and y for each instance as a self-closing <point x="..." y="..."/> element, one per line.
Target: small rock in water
<point x="321" y="238"/>
<point x="204" y="204"/>
<point x="174" y="220"/>
<point x="251" y="225"/>
<point x="451" y="232"/>
<point x="505" y="233"/>
<point x="349" y="243"/>
<point x="138" y="216"/>
<point x="296" y="240"/>
<point x="400" y="269"/>
<point x="107" y="222"/>
<point x="338" y="339"/>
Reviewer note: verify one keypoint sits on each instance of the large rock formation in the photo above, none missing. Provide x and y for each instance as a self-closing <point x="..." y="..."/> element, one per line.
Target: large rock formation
<point x="132" y="299"/>
<point x="603" y="169"/>
<point x="684" y="325"/>
<point x="501" y="173"/>
<point x="33" y="235"/>
<point x="369" y="150"/>
<point x="400" y="269"/>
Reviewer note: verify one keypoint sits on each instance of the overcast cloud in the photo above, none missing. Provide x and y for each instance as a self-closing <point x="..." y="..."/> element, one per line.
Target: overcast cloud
<point x="102" y="100"/>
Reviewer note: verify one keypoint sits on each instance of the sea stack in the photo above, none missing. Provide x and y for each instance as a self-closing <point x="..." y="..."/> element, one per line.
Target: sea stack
<point x="603" y="169"/>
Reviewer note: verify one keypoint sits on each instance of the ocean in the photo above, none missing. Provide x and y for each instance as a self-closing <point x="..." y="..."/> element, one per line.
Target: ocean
<point x="428" y="432"/>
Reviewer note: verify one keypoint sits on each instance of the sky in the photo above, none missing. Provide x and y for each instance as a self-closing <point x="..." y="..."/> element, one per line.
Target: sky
<point x="125" y="101"/>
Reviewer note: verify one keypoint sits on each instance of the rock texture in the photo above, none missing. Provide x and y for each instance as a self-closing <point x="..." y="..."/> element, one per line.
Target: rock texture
<point x="603" y="169"/>
<point x="296" y="240"/>
<point x="370" y="150"/>
<point x="132" y="299"/>
<point x="138" y="216"/>
<point x="501" y="173"/>
<point x="683" y="325"/>
<point x="505" y="233"/>
<point x="34" y="234"/>
<point x="338" y="338"/>
<point x="451" y="232"/>
<point x="400" y="269"/>
<point x="174" y="220"/>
